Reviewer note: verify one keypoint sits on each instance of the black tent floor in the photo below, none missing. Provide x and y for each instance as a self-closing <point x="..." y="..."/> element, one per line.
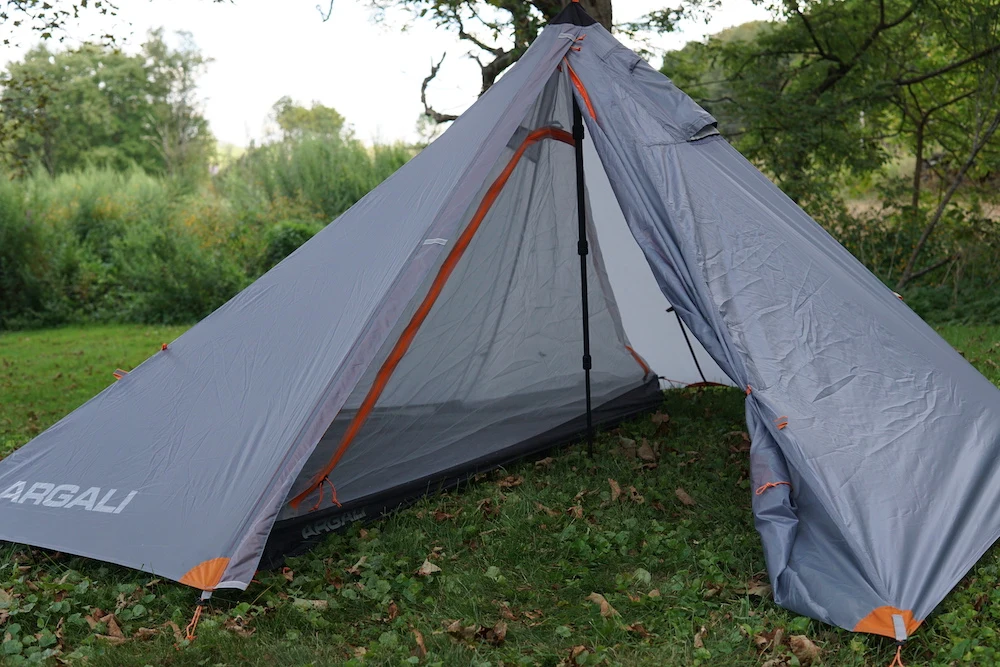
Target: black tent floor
<point x="297" y="535"/>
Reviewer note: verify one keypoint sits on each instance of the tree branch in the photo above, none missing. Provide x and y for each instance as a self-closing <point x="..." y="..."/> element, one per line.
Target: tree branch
<point x="934" y="267"/>
<point x="947" y="68"/>
<point x="436" y="116"/>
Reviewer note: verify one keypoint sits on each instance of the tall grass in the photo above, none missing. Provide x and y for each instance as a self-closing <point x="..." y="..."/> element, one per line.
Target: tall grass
<point x="105" y="246"/>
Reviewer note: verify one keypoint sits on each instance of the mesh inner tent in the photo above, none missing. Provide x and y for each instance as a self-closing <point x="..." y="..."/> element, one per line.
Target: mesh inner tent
<point x="498" y="359"/>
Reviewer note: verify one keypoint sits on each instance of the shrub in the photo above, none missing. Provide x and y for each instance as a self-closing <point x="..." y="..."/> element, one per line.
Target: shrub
<point x="283" y="239"/>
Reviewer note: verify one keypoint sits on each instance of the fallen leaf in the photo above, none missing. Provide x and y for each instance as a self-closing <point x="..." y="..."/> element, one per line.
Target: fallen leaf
<point x="548" y="510"/>
<point x="303" y="604"/>
<point x="356" y="568"/>
<point x="363" y="534"/>
<point x="495" y="635"/>
<point x="639" y="629"/>
<point x="683" y="496"/>
<point x="393" y="611"/>
<point x="655" y="593"/>
<point x="616" y="490"/>
<point x="421" y="650"/>
<point x="112" y="640"/>
<point x="780" y="661"/>
<point x="759" y="588"/>
<point x="178" y="635"/>
<point x="239" y="626"/>
<point x="646" y="452"/>
<point x="545" y="463"/>
<point x="699" y="638"/>
<point x="506" y="612"/>
<point x="607" y="610"/>
<point x="510" y="481"/>
<point x="576" y="511"/>
<point x="458" y="631"/>
<point x="488" y="508"/>
<point x="803" y="649"/>
<point x="428" y="568"/>
<point x="360" y="651"/>
<point x="444" y="516"/>
<point x="288" y="574"/>
<point x="661" y="419"/>
<point x="113" y="628"/>
<point x="635" y="496"/>
<point x="5" y="597"/>
<point x="153" y="582"/>
<point x="144" y="633"/>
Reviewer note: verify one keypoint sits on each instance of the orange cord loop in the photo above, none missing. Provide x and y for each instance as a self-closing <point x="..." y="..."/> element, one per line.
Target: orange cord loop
<point x="781" y="422"/>
<point x="749" y="389"/>
<point x="898" y="660"/>
<point x="333" y="494"/>
<point x="193" y="625"/>
<point x="770" y="485"/>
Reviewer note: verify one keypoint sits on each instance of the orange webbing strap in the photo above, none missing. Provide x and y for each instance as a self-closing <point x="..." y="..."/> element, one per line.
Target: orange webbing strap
<point x="770" y="485"/>
<point x="193" y="625"/>
<point x="406" y="338"/>
<point x="583" y="91"/>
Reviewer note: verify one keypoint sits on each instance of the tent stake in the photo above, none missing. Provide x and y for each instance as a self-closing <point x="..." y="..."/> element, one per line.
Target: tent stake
<point x="583" y="249"/>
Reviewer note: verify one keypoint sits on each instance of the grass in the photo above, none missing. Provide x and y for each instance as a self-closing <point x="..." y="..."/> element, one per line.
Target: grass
<point x="520" y="554"/>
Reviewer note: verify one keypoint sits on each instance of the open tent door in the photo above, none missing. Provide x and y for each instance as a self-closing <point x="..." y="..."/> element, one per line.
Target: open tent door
<point x="654" y="329"/>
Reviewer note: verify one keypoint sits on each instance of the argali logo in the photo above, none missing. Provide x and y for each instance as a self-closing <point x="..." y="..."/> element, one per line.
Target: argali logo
<point x="68" y="496"/>
<point x="330" y="525"/>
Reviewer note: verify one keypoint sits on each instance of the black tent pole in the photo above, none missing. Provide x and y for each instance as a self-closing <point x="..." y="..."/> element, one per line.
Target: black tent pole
<point x="583" y="249"/>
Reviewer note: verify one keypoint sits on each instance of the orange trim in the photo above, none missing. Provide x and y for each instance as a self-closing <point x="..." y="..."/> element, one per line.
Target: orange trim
<point x="879" y="622"/>
<point x="583" y="91"/>
<point x="639" y="360"/>
<point x="406" y="338"/>
<point x="206" y="575"/>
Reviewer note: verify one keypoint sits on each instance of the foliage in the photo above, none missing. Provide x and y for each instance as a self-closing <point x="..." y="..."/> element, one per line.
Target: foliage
<point x="283" y="239"/>
<point x="96" y="105"/>
<point x="835" y="90"/>
<point x="298" y="122"/>
<point x="520" y="553"/>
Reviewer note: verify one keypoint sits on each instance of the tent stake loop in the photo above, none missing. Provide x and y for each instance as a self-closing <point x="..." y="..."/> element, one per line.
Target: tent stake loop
<point x="583" y="249"/>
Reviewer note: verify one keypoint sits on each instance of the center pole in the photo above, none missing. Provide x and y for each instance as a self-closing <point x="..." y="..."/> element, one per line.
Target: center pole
<point x="583" y="249"/>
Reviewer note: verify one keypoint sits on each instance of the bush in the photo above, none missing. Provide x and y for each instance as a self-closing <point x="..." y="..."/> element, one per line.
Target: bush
<point x="283" y="239"/>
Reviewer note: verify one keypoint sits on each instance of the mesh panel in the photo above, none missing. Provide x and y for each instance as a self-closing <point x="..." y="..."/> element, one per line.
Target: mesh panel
<point x="498" y="359"/>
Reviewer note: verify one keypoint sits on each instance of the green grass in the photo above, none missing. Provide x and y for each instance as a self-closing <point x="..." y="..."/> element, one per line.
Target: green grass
<point x="525" y="546"/>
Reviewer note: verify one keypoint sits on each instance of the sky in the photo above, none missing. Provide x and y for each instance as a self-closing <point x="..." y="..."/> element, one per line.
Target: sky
<point x="369" y="70"/>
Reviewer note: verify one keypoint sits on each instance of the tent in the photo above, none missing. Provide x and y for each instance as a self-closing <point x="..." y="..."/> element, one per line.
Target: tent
<point x="439" y="327"/>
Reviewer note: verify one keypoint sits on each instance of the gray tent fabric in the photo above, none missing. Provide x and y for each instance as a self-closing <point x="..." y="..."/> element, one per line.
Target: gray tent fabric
<point x="436" y="327"/>
<point x="874" y="443"/>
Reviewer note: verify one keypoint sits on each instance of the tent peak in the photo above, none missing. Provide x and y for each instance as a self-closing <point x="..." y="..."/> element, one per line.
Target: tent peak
<point x="574" y="14"/>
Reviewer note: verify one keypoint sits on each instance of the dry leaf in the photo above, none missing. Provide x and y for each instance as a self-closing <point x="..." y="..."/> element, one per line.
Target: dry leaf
<point x="655" y="593"/>
<point x="319" y="605"/>
<point x="178" y="635"/>
<point x="635" y="496"/>
<point x="662" y="420"/>
<point x="510" y="481"/>
<point x="458" y="631"/>
<point x="646" y="452"/>
<point x="144" y="633"/>
<point x="356" y="568"/>
<point x="288" y="574"/>
<point x="113" y="628"/>
<point x="506" y="612"/>
<point x="576" y="511"/>
<point x="112" y="640"/>
<point x="803" y="649"/>
<point x="780" y="661"/>
<point x="444" y="516"/>
<point x="495" y="635"/>
<point x="239" y="626"/>
<point x="545" y="463"/>
<point x="616" y="490"/>
<point x="607" y="611"/>
<point x="393" y="611"/>
<point x="421" y="650"/>
<point x="488" y="508"/>
<point x="699" y="638"/>
<point x="683" y="496"/>
<point x="548" y="510"/>
<point x="359" y="652"/>
<point x="428" y="568"/>
<point x="759" y="588"/>
<point x="639" y="629"/>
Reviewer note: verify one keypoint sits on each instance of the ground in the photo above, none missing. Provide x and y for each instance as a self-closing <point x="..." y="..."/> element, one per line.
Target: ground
<point x="639" y="556"/>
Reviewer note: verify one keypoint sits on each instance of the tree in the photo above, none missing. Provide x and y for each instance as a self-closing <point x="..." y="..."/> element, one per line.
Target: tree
<point x="500" y="31"/>
<point x="297" y="122"/>
<point x="842" y="87"/>
<point x="98" y="105"/>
